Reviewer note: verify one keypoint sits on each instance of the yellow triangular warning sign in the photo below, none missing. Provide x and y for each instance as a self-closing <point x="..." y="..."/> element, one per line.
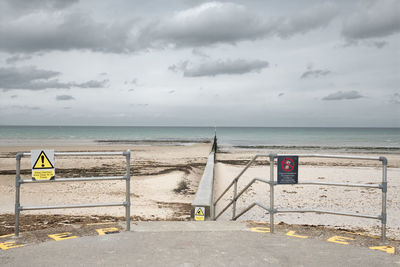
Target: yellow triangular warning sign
<point x="43" y="162"/>
<point x="199" y="212"/>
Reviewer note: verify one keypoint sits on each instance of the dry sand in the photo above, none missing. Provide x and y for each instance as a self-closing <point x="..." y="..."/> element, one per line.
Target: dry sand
<point x="347" y="199"/>
<point x="157" y="169"/>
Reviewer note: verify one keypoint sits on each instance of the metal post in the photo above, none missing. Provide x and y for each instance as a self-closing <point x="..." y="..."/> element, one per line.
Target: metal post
<point x="271" y="192"/>
<point x="128" y="190"/>
<point x="384" y="192"/>
<point x="234" y="200"/>
<point x="17" y="193"/>
<point x="213" y="211"/>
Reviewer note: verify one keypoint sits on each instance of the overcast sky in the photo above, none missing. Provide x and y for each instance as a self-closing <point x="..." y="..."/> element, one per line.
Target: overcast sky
<point x="199" y="63"/>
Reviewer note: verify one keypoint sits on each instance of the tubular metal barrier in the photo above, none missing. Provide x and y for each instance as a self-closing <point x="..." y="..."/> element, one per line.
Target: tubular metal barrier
<point x="272" y="210"/>
<point x="126" y="177"/>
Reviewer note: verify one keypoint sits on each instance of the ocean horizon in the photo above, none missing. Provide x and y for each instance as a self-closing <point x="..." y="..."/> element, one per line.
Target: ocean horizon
<point x="330" y="138"/>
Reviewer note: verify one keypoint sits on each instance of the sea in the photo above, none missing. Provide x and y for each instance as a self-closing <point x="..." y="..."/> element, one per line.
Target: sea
<point x="297" y="138"/>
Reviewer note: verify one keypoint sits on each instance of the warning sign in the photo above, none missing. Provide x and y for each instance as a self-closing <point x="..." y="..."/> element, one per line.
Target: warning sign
<point x="199" y="213"/>
<point x="42" y="164"/>
<point x="288" y="169"/>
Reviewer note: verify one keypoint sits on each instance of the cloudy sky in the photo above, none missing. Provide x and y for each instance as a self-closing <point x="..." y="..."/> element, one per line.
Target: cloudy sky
<point x="199" y="63"/>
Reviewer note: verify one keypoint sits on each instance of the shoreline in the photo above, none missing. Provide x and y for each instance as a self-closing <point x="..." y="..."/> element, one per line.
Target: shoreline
<point x="222" y="146"/>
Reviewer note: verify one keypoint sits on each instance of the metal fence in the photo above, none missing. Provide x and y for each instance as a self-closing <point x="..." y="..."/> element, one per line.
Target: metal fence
<point x="272" y="183"/>
<point x="126" y="177"/>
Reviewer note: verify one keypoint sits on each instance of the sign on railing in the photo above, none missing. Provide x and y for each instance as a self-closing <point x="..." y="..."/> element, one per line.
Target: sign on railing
<point x="288" y="174"/>
<point x="41" y="161"/>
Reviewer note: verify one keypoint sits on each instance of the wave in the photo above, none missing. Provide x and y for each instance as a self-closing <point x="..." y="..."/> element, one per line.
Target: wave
<point x="154" y="141"/>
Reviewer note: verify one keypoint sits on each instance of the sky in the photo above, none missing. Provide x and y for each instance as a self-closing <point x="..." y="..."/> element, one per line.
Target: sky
<point x="273" y="63"/>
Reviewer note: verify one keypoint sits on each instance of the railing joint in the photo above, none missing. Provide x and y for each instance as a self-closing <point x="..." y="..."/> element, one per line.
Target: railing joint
<point x="383" y="186"/>
<point x="384" y="160"/>
<point x="383" y="218"/>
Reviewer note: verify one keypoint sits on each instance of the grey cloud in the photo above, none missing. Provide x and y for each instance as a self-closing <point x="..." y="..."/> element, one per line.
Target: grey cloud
<point x="16" y="58"/>
<point x="66" y="32"/>
<point x="171" y="91"/>
<point x="281" y="94"/>
<point x="380" y="44"/>
<point x="14" y="96"/>
<point x="343" y="95"/>
<point x="207" y="24"/>
<point x="131" y="90"/>
<point x="304" y="21"/>
<point x="216" y="22"/>
<point x="395" y="99"/>
<point x="64" y="97"/>
<point x="198" y="52"/>
<point x="380" y="19"/>
<point x="139" y="105"/>
<point x="89" y="84"/>
<point x="31" y="78"/>
<point x="219" y="67"/>
<point x="314" y="73"/>
<point x="25" y="107"/>
<point x="32" y="5"/>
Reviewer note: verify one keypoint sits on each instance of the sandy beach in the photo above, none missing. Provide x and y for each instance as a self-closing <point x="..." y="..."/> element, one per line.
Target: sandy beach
<point x="156" y="171"/>
<point x="159" y="168"/>
<point x="346" y="199"/>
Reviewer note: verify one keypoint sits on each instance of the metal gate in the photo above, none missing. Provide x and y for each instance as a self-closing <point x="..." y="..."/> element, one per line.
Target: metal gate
<point x="272" y="183"/>
<point x="126" y="177"/>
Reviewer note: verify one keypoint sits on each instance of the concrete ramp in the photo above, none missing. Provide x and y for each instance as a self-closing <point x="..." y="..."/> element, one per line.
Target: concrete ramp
<point x="194" y="244"/>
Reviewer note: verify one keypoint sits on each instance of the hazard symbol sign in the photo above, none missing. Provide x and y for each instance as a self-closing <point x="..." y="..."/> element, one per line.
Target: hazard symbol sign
<point x="288" y="169"/>
<point x="42" y="164"/>
<point x="199" y="213"/>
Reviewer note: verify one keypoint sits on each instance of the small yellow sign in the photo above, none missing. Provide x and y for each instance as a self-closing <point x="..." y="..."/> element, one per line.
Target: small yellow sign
<point x="43" y="164"/>
<point x="199" y="214"/>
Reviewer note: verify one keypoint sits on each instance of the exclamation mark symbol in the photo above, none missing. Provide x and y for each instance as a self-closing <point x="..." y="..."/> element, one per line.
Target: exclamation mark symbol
<point x="42" y="157"/>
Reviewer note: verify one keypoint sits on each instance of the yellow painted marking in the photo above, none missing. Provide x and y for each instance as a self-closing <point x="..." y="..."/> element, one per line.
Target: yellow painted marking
<point x="101" y="223"/>
<point x="62" y="236"/>
<point x="387" y="249"/>
<point x="2" y="236"/>
<point x="340" y="239"/>
<point x="291" y="233"/>
<point x="110" y="230"/>
<point x="260" y="229"/>
<point x="8" y="245"/>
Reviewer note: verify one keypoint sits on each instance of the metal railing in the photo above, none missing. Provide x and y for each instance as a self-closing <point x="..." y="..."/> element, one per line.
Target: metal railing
<point x="126" y="177"/>
<point x="272" y="210"/>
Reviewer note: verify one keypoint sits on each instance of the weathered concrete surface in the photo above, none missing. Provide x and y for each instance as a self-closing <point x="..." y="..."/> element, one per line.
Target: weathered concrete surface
<point x="194" y="244"/>
<point x="204" y="194"/>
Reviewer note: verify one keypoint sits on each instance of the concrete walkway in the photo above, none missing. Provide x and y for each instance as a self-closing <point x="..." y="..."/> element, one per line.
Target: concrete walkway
<point x="194" y="244"/>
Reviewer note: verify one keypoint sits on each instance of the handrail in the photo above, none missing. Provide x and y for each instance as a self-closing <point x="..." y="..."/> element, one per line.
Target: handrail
<point x="382" y="186"/>
<point x="250" y="207"/>
<point x="127" y="177"/>
<point x="241" y="192"/>
<point x="239" y="175"/>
